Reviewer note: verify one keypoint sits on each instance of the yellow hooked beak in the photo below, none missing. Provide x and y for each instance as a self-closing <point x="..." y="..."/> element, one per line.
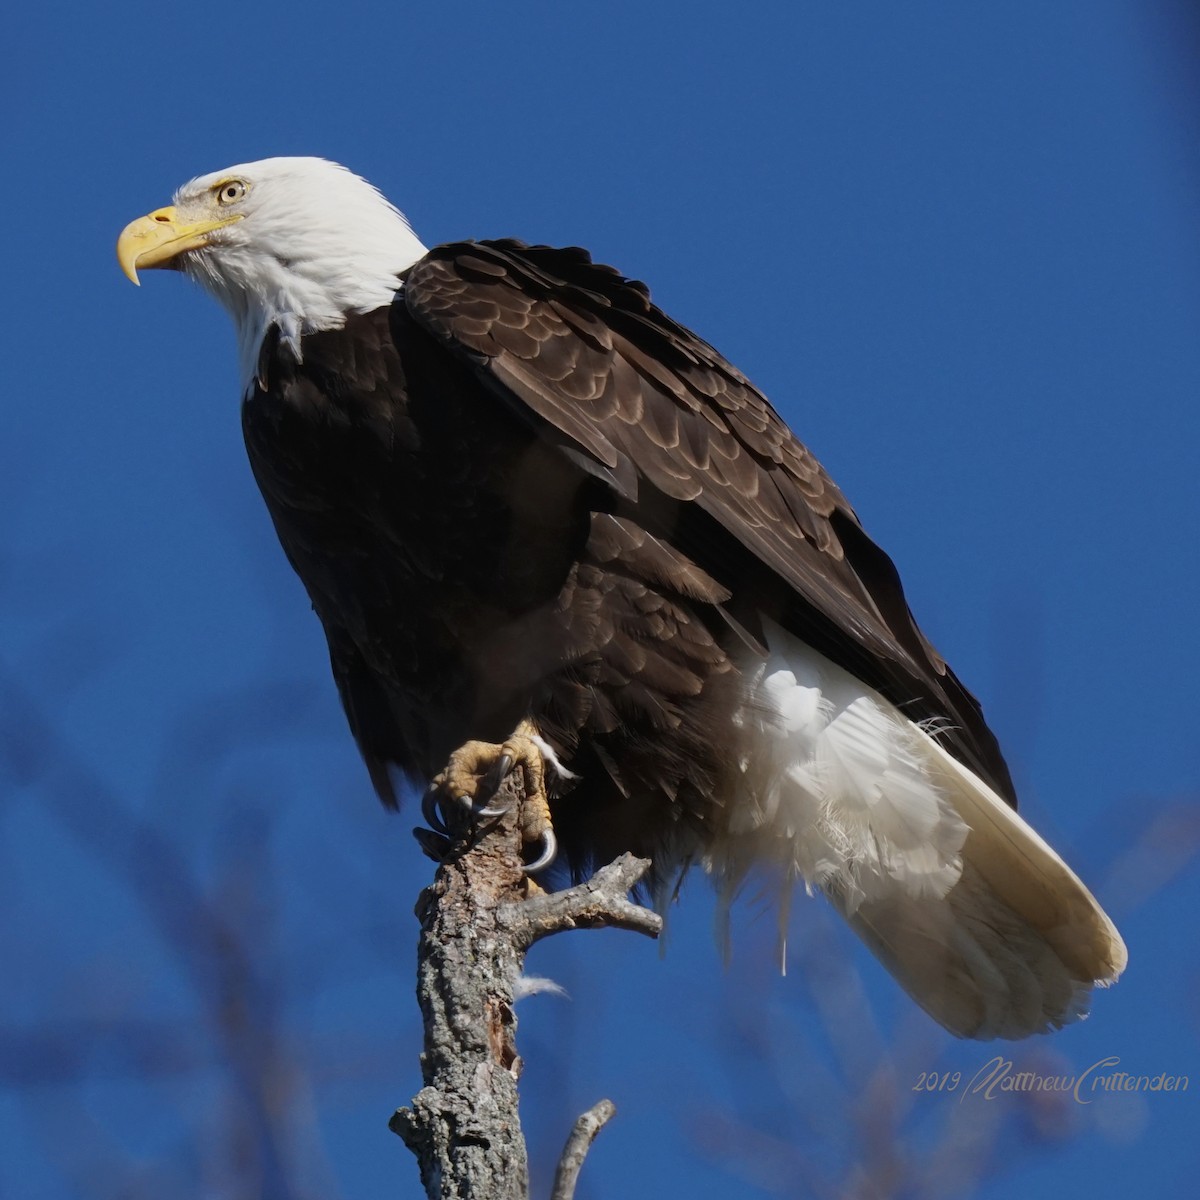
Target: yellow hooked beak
<point x="158" y="237"/>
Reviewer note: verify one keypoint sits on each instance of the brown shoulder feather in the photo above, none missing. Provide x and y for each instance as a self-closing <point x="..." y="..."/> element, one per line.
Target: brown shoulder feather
<point x="640" y="400"/>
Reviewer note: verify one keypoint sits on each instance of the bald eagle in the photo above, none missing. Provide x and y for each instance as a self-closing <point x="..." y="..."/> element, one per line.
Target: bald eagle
<point x="540" y="521"/>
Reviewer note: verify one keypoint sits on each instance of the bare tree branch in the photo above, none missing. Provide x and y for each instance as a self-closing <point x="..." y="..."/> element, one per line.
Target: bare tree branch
<point x="477" y="922"/>
<point x="578" y="1144"/>
<point x="600" y="903"/>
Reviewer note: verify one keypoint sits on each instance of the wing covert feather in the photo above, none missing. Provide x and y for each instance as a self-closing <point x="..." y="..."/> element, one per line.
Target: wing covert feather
<point x="585" y="350"/>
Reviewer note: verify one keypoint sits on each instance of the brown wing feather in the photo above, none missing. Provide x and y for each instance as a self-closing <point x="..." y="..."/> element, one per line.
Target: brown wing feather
<point x="647" y="402"/>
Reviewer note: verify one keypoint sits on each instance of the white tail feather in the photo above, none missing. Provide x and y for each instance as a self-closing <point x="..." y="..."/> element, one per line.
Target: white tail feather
<point x="976" y="916"/>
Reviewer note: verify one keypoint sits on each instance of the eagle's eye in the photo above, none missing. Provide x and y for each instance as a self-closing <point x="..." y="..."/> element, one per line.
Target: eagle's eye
<point x="231" y="191"/>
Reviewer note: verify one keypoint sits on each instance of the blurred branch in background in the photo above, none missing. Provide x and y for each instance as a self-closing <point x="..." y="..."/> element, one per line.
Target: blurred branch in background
<point x="834" y="1112"/>
<point x="232" y="1086"/>
<point x="173" y="1035"/>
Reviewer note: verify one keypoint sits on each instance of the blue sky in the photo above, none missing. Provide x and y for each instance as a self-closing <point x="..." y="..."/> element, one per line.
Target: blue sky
<point x="959" y="247"/>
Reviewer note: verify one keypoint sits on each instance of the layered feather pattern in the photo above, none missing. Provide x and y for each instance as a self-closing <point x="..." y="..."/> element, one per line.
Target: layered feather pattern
<point x="838" y="792"/>
<point x="515" y="489"/>
<point x="976" y="916"/>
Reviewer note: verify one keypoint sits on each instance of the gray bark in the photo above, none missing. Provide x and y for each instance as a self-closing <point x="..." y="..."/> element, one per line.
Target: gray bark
<point x="478" y="919"/>
<point x="578" y="1144"/>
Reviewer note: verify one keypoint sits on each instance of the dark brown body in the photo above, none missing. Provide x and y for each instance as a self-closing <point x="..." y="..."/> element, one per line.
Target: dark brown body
<point x="486" y="539"/>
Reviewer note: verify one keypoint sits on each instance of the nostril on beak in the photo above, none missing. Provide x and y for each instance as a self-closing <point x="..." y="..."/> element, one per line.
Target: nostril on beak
<point x="162" y="218"/>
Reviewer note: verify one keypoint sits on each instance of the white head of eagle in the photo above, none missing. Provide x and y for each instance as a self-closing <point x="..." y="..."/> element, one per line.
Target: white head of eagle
<point x="297" y="243"/>
<point x="542" y="522"/>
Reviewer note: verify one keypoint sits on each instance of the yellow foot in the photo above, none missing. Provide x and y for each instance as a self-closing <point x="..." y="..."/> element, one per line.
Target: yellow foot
<point x="470" y="780"/>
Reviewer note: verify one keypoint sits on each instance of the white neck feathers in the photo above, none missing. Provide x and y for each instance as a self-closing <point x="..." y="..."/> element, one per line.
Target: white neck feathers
<point x="316" y="244"/>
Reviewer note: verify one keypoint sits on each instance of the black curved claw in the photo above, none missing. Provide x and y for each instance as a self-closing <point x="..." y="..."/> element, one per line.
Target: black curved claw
<point x="432" y="844"/>
<point x="431" y="813"/>
<point x="547" y="856"/>
<point x="499" y="772"/>
<point x="492" y="810"/>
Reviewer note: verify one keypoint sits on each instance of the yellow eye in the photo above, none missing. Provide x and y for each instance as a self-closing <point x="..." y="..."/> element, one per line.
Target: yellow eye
<point x="230" y="191"/>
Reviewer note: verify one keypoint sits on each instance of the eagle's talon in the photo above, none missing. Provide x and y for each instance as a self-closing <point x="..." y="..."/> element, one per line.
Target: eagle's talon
<point x="433" y="845"/>
<point x="547" y="856"/>
<point x="492" y="810"/>
<point x="468" y="790"/>
<point x="501" y="771"/>
<point x="431" y="812"/>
